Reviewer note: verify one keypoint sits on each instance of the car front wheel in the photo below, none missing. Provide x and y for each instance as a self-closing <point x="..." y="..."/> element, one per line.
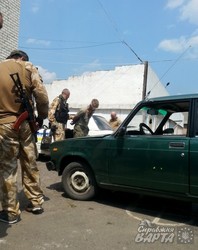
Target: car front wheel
<point x="78" y="181"/>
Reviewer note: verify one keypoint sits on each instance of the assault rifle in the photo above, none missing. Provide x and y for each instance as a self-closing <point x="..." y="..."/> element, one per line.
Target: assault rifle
<point x="28" y="113"/>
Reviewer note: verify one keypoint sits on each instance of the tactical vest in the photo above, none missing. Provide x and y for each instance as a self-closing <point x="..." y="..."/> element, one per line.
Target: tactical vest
<point x="62" y="112"/>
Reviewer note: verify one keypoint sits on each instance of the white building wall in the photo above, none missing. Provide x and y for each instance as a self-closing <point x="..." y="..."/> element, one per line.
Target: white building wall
<point x="117" y="90"/>
<point x="154" y="86"/>
<point x="9" y="33"/>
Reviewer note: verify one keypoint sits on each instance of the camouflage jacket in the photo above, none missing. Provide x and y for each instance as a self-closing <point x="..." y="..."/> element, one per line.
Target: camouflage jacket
<point x="58" y="111"/>
<point x="82" y="117"/>
<point x="33" y="86"/>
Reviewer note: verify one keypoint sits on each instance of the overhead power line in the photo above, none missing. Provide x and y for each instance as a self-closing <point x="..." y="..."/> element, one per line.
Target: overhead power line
<point x="76" y="47"/>
<point x="167" y="71"/>
<point x="117" y="31"/>
<point x="133" y="51"/>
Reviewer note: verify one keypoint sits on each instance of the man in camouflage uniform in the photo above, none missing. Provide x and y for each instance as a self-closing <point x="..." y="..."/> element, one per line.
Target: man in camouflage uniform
<point x="19" y="144"/>
<point x="81" y="119"/>
<point x="59" y="114"/>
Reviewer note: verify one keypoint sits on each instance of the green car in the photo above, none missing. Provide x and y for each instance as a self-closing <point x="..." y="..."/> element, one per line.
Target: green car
<point x="154" y="151"/>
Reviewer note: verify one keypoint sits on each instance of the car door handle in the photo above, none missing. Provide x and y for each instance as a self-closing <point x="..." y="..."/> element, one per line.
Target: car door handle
<point x="176" y="144"/>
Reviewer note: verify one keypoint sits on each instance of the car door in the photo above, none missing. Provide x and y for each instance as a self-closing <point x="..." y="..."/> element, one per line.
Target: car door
<point x="158" y="162"/>
<point x="193" y="172"/>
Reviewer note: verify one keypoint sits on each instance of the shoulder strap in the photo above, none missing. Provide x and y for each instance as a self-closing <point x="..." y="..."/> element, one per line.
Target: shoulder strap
<point x="23" y="75"/>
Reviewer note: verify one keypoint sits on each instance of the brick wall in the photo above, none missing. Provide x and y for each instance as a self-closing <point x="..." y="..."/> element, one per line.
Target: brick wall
<point x="10" y="32"/>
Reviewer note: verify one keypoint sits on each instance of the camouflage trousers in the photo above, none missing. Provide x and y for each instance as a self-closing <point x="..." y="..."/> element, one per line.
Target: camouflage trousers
<point x="59" y="133"/>
<point x="80" y="131"/>
<point x="20" y="146"/>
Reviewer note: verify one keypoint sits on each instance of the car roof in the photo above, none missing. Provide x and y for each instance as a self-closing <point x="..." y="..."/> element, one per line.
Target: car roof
<point x="173" y="97"/>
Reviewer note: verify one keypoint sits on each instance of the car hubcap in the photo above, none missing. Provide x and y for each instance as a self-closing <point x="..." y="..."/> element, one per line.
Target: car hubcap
<point x="79" y="181"/>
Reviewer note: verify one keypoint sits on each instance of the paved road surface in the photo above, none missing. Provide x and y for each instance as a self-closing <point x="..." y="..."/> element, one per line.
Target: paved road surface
<point x="113" y="221"/>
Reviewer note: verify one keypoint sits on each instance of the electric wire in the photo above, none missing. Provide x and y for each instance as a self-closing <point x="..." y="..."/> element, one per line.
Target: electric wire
<point x="148" y="93"/>
<point x="69" y="48"/>
<point x="117" y="31"/>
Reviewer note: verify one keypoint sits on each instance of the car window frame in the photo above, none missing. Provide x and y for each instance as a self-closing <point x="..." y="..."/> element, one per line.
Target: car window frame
<point x="140" y="105"/>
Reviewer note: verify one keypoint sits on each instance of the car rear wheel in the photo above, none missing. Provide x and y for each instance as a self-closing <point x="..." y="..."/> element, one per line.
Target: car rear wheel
<point x="78" y="181"/>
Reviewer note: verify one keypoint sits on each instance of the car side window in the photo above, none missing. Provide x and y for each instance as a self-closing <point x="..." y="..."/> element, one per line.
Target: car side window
<point x="145" y="121"/>
<point x="160" y="119"/>
<point x="178" y="122"/>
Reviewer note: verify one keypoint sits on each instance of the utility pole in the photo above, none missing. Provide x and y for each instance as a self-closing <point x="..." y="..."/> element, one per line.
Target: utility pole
<point x="145" y="80"/>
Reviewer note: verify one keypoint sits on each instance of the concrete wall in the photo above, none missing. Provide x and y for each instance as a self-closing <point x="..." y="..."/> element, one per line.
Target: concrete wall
<point x="9" y="33"/>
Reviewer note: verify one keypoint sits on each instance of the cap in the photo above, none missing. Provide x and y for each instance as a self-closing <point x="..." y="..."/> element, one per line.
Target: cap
<point x="95" y="103"/>
<point x="18" y="53"/>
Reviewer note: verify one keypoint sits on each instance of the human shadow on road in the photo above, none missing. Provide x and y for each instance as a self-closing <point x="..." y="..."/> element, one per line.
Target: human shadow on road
<point x="3" y="229"/>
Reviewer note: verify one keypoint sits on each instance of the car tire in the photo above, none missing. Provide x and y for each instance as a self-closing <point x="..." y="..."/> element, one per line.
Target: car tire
<point x="79" y="182"/>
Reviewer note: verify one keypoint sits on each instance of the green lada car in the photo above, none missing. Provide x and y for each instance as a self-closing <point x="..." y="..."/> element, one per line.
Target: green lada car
<point x="154" y="151"/>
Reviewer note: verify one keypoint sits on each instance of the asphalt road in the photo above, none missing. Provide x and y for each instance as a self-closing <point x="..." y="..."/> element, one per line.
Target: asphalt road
<point x="112" y="221"/>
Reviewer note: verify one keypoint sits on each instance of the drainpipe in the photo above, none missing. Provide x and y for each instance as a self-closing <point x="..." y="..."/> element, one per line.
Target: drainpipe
<point x="145" y="80"/>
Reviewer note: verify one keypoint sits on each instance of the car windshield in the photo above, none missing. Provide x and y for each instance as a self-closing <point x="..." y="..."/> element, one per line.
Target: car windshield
<point x="160" y="119"/>
<point x="101" y="122"/>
